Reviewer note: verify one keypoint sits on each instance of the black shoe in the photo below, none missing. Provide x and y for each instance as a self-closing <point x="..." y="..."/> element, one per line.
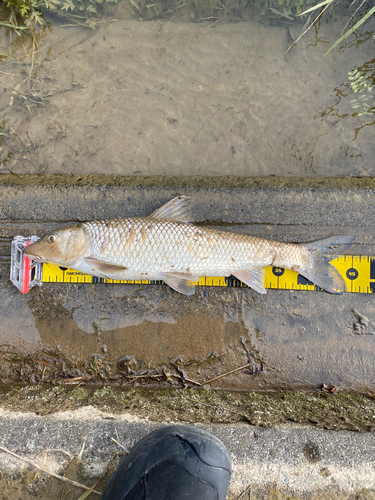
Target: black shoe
<point x="174" y="463"/>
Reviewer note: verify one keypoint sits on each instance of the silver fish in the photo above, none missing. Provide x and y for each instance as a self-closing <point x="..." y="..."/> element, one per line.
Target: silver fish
<point x="166" y="246"/>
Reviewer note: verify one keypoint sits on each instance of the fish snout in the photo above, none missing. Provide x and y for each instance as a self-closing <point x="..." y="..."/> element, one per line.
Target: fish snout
<point x="32" y="255"/>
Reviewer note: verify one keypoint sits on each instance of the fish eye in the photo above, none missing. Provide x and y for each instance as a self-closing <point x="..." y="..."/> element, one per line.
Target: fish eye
<point x="52" y="237"/>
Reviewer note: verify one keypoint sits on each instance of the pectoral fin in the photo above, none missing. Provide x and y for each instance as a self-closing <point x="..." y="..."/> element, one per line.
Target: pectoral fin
<point x="178" y="209"/>
<point x="253" y="278"/>
<point x="104" y="267"/>
<point x="181" y="282"/>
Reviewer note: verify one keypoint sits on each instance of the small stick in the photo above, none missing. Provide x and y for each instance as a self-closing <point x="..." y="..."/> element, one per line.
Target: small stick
<point x="71" y="380"/>
<point x="226" y="373"/>
<point x="192" y="381"/>
<point x="67" y="480"/>
<point x="175" y="375"/>
<point x="120" y="445"/>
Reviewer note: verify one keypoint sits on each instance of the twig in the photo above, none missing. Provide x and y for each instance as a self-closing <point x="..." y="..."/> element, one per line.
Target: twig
<point x="146" y="375"/>
<point x="79" y="457"/>
<point x="192" y="381"/>
<point x="311" y="25"/>
<point x="120" y="445"/>
<point x="62" y="478"/>
<point x="72" y="380"/>
<point x="226" y="373"/>
<point x="175" y="375"/>
<point x="182" y="373"/>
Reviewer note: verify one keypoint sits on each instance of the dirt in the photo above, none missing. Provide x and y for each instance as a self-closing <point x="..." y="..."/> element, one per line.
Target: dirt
<point x="184" y="98"/>
<point x="31" y="483"/>
<point x="61" y="181"/>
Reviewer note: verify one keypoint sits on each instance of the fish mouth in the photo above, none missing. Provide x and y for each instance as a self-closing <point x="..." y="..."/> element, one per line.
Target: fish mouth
<point x="33" y="256"/>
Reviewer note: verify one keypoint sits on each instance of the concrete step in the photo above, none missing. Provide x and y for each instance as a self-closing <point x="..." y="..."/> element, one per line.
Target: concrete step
<point x="277" y="463"/>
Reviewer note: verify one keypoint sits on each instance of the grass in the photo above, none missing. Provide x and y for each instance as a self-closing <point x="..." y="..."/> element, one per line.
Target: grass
<point x="29" y="12"/>
<point x="330" y="3"/>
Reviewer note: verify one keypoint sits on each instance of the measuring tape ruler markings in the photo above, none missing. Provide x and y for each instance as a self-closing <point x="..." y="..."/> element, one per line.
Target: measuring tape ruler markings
<point x="357" y="271"/>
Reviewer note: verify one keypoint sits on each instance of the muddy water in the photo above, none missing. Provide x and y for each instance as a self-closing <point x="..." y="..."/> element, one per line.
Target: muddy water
<point x="176" y="97"/>
<point x="147" y="335"/>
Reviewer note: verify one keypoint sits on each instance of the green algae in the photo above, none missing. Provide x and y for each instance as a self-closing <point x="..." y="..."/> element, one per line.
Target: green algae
<point x="104" y="181"/>
<point x="328" y="411"/>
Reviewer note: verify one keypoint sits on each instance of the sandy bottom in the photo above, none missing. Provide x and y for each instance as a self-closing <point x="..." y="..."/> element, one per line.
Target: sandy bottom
<point x="162" y="98"/>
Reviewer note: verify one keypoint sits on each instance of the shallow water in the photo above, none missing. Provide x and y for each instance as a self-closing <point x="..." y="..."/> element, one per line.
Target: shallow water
<point x="183" y="96"/>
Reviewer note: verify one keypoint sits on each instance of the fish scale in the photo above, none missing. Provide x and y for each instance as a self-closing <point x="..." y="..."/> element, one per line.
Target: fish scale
<point x="172" y="246"/>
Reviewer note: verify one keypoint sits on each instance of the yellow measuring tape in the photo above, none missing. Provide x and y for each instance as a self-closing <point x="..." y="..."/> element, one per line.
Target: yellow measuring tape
<point x="357" y="271"/>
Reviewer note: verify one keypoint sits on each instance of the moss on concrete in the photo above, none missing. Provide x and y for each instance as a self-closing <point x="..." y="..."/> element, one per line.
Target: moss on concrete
<point x="328" y="411"/>
<point x="60" y="180"/>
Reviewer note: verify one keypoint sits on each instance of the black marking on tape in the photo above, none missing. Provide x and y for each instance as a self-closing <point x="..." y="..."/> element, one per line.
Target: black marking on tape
<point x="301" y="280"/>
<point x="95" y="279"/>
<point x="232" y="281"/>
<point x="372" y="269"/>
<point x="278" y="271"/>
<point x="352" y="274"/>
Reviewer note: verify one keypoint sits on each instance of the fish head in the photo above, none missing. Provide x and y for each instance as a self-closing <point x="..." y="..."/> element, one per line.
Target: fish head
<point x="64" y="247"/>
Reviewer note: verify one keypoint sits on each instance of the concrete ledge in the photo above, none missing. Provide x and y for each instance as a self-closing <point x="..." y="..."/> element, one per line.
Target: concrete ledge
<point x="283" y="462"/>
<point x="294" y="209"/>
<point x="328" y="201"/>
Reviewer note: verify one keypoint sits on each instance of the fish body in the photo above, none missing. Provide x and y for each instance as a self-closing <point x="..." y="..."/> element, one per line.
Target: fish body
<point x="165" y="246"/>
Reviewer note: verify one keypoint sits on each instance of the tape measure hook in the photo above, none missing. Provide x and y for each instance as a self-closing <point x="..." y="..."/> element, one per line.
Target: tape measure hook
<point x="24" y="273"/>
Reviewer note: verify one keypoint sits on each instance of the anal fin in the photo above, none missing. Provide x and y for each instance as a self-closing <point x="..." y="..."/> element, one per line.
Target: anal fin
<point x="181" y="282"/>
<point x="253" y="278"/>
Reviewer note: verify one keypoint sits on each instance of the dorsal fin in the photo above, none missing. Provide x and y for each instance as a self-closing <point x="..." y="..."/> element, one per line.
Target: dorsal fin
<point x="178" y="209"/>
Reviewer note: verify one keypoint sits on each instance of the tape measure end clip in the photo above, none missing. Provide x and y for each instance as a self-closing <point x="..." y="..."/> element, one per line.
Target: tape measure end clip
<point x="24" y="272"/>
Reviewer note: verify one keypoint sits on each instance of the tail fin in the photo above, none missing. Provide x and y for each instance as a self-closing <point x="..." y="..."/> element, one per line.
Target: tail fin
<point x="319" y="270"/>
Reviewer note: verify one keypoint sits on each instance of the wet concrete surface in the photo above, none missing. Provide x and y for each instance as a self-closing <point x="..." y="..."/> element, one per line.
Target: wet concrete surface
<point x="292" y="339"/>
<point x="298" y="348"/>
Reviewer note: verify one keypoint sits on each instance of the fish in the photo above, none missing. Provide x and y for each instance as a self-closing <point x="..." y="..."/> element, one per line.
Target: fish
<point x="167" y="246"/>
